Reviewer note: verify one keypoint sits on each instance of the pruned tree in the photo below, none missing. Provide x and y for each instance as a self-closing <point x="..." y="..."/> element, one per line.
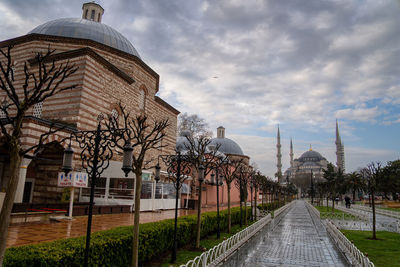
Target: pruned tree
<point x="194" y="124"/>
<point x="229" y="170"/>
<point x="372" y="174"/>
<point x="143" y="135"/>
<point x="199" y="153"/>
<point x="42" y="79"/>
<point x="241" y="182"/>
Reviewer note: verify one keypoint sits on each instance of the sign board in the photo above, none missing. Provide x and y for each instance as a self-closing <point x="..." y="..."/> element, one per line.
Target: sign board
<point x="73" y="179"/>
<point x="146" y="176"/>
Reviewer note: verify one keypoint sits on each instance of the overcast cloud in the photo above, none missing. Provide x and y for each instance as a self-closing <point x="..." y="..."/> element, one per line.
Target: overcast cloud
<point x="250" y="65"/>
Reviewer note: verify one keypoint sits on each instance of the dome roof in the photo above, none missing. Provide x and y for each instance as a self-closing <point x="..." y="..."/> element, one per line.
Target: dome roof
<point x="182" y="142"/>
<point x="227" y="146"/>
<point x="86" y="29"/>
<point x="311" y="155"/>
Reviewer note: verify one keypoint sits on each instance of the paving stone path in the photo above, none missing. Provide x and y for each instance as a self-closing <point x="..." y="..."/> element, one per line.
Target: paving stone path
<point x="298" y="240"/>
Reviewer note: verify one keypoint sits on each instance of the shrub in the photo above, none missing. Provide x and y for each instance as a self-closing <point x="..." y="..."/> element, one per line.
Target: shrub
<point x="114" y="247"/>
<point x="271" y="206"/>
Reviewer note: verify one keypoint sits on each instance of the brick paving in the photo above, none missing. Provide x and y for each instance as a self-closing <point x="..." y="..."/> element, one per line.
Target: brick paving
<point x="33" y="233"/>
<point x="298" y="240"/>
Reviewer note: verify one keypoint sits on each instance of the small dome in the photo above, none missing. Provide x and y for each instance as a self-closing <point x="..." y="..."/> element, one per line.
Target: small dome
<point x="86" y="29"/>
<point x="182" y="142"/>
<point x="311" y="156"/>
<point x="227" y="146"/>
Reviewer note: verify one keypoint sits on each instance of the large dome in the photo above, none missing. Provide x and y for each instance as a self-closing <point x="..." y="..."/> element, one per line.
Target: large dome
<point x="311" y="156"/>
<point x="86" y="29"/>
<point x="227" y="146"/>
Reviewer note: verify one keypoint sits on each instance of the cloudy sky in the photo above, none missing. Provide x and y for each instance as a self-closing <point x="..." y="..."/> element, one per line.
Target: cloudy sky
<point x="250" y="65"/>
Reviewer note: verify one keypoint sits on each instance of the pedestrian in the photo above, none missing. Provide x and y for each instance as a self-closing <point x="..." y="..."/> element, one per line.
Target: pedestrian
<point x="347" y="200"/>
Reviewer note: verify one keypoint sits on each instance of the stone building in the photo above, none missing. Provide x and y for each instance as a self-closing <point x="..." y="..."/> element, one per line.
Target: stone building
<point x="110" y="71"/>
<point x="311" y="161"/>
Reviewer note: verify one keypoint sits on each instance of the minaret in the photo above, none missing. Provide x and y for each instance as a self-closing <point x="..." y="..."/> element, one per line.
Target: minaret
<point x="339" y="150"/>
<point x="279" y="157"/>
<point x="291" y="153"/>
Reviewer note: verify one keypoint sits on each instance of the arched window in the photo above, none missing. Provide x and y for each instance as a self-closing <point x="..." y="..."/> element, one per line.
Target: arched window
<point x="142" y="99"/>
<point x="86" y="13"/>
<point x="92" y="15"/>
<point x="98" y="18"/>
<point x="37" y="110"/>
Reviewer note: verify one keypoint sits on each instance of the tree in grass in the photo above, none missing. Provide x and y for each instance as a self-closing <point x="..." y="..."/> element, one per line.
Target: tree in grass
<point x="144" y="135"/>
<point x="242" y="182"/>
<point x="372" y="174"/>
<point x="42" y="77"/>
<point x="353" y="182"/>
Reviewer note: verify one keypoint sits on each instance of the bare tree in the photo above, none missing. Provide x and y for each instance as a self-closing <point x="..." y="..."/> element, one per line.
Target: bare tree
<point x="144" y="136"/>
<point x="194" y="124"/>
<point x="241" y="182"/>
<point x="229" y="171"/>
<point x="372" y="174"/>
<point x="199" y="153"/>
<point x="43" y="78"/>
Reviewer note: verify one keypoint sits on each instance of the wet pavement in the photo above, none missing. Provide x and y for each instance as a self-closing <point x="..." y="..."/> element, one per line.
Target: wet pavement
<point x="33" y="233"/>
<point x="299" y="239"/>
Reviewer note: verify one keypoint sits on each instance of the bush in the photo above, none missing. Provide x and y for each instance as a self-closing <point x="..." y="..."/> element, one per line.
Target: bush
<point x="114" y="247"/>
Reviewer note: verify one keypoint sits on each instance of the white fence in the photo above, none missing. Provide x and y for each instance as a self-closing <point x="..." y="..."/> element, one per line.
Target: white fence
<point x="353" y="254"/>
<point x="356" y="257"/>
<point x="220" y="252"/>
<point x="390" y="213"/>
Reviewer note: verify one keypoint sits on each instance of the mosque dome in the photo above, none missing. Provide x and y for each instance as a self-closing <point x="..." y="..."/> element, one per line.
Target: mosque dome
<point x="88" y="27"/>
<point x="182" y="142"/>
<point x="226" y="145"/>
<point x="311" y="155"/>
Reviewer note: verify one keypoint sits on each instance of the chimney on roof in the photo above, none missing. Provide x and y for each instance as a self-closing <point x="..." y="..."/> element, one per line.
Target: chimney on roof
<point x="92" y="11"/>
<point x="220" y="132"/>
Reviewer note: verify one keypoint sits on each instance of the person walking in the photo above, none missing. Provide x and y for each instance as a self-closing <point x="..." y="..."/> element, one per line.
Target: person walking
<point x="347" y="200"/>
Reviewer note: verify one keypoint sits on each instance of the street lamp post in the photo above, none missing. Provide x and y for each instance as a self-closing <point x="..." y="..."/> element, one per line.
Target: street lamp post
<point x="96" y="152"/>
<point x="218" y="182"/>
<point x="178" y="168"/>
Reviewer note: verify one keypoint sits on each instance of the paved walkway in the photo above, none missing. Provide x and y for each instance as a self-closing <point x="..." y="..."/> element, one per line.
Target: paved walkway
<point x="298" y="240"/>
<point x="32" y="233"/>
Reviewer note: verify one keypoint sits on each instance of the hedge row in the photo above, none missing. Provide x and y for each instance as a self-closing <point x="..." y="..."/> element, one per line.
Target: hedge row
<point x="113" y="247"/>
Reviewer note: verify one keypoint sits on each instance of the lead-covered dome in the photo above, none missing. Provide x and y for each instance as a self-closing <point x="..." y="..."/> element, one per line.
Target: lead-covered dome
<point x="311" y="156"/>
<point x="226" y="145"/>
<point x="86" y="29"/>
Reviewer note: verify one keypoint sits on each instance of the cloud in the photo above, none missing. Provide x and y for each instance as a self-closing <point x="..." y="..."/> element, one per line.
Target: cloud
<point x="296" y="63"/>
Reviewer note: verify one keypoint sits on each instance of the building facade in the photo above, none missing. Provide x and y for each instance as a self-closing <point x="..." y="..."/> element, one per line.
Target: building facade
<point x="110" y="71"/>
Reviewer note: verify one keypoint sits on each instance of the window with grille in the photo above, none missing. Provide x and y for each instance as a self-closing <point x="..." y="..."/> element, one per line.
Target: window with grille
<point x="2" y="114"/>
<point x="37" y="110"/>
<point x="114" y="115"/>
<point x="142" y="99"/>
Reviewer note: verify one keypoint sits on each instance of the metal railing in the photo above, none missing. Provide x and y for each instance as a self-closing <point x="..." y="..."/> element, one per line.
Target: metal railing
<point x="220" y="252"/>
<point x="390" y="213"/>
<point x="356" y="257"/>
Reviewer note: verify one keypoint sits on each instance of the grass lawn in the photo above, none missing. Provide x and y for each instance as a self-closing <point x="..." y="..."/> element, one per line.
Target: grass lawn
<point x="186" y="254"/>
<point x="392" y="209"/>
<point x="382" y="252"/>
<point x="337" y="214"/>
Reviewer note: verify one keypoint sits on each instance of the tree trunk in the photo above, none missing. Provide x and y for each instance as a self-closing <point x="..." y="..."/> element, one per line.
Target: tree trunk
<point x="229" y="209"/>
<point x="327" y="203"/>
<point x="15" y="162"/>
<point x="198" y="226"/>
<point x="373" y="215"/>
<point x="354" y="195"/>
<point x="333" y="205"/>
<point x="136" y="220"/>
<point x="255" y="205"/>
